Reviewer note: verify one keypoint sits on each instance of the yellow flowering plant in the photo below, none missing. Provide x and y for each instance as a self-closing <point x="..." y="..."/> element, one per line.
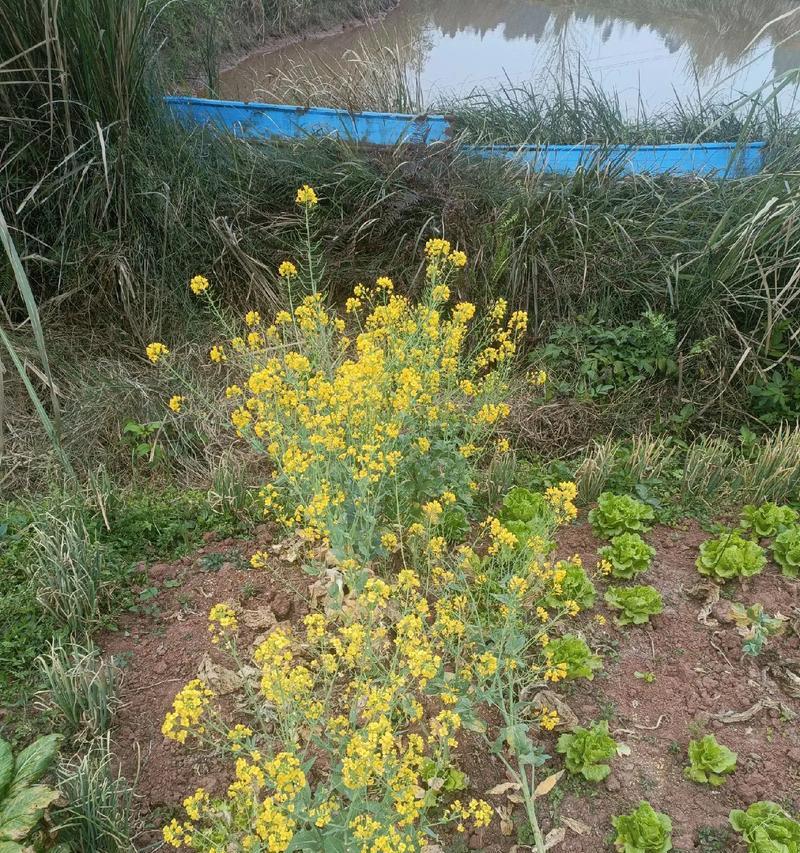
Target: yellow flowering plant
<point x="368" y="416"/>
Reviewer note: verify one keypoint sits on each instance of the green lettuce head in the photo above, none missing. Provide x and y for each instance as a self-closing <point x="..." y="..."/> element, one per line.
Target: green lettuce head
<point x="786" y="551"/>
<point x="767" y="828"/>
<point x="767" y="520"/>
<point x="628" y="554"/>
<point x="709" y="761"/>
<point x="644" y="830"/>
<point x="616" y="514"/>
<point x="730" y="556"/>
<point x="586" y="750"/>
<point x="635" y="603"/>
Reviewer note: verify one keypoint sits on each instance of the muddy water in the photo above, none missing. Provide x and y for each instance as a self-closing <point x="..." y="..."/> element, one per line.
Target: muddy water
<point x="649" y="51"/>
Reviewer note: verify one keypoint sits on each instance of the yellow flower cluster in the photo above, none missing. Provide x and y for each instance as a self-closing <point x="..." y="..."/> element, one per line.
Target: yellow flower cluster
<point x="176" y="403"/>
<point x="199" y="284"/>
<point x="306" y="196"/>
<point x="222" y="622"/>
<point x="156" y="351"/>
<point x="186" y="715"/>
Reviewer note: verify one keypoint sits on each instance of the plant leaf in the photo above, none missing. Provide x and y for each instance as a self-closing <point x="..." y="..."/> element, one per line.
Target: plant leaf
<point x="33" y="761"/>
<point x="547" y="785"/>
<point x="20" y="814"/>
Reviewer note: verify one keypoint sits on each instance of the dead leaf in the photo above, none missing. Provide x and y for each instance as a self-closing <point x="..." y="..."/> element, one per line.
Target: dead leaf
<point x="711" y="598"/>
<point x="221" y="680"/>
<point x="575" y="825"/>
<point x="568" y="719"/>
<point x="506" y="824"/>
<point x="546" y="785"/>
<point x="554" y="837"/>
<point x="502" y="788"/>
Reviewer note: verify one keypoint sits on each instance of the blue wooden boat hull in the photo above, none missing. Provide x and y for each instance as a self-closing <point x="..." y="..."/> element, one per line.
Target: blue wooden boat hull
<point x="262" y="122"/>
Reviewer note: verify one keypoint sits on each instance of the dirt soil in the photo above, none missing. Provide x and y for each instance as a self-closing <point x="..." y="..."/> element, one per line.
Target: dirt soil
<point x="701" y="681"/>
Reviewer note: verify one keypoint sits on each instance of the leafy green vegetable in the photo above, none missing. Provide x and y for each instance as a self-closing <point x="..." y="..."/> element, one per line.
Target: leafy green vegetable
<point x="644" y="830"/>
<point x="526" y="514"/>
<point x="786" y="551"/>
<point x="767" y="520"/>
<point x="709" y="761"/>
<point x="636" y="603"/>
<point x="729" y="555"/>
<point x="22" y="802"/>
<point x="584" y="751"/>
<point x="575" y="586"/>
<point x="767" y="828"/>
<point x="628" y="554"/>
<point x="581" y="661"/>
<point x="617" y="514"/>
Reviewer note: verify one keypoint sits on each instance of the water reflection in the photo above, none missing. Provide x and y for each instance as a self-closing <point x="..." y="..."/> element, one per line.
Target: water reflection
<point x="655" y="50"/>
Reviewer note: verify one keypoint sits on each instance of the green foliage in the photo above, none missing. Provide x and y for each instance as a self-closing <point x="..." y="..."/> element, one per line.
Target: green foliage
<point x="526" y="513"/>
<point x="576" y="586"/>
<point x="768" y="519"/>
<point x="644" y="830"/>
<point x="729" y="556"/>
<point x="585" y="750"/>
<point x="22" y="801"/>
<point x="617" y="514"/>
<point x="581" y="661"/>
<point x="778" y="398"/>
<point x="767" y="828"/>
<point x="636" y="603"/>
<point x="709" y="761"/>
<point x="628" y="554"/>
<point x="603" y="357"/>
<point x="756" y="627"/>
<point x="786" y="551"/>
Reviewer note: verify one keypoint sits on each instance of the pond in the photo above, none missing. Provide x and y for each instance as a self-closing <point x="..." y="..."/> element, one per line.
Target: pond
<point x="650" y="52"/>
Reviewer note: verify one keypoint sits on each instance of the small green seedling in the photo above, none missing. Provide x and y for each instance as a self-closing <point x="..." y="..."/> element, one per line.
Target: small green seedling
<point x="647" y="677"/>
<point x="644" y="830"/>
<point x="635" y="603"/>
<point x="709" y="761"/>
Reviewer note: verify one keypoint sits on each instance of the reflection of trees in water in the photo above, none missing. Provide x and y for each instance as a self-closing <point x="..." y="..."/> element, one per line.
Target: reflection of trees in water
<point x="715" y="32"/>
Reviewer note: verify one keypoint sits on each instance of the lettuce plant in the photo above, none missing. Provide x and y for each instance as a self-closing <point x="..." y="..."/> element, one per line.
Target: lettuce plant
<point x="644" y="830"/>
<point x="767" y="520"/>
<point x="526" y="514"/>
<point x="616" y="514"/>
<point x="786" y="551"/>
<point x="576" y="585"/>
<point x="756" y="626"/>
<point x="635" y="603"/>
<point x="709" y="761"/>
<point x="581" y="661"/>
<point x="585" y="750"/>
<point x="628" y="554"/>
<point x="767" y="828"/>
<point x="729" y="556"/>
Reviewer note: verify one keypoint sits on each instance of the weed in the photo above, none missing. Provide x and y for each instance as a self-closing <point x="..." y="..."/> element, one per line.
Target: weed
<point x="713" y="839"/>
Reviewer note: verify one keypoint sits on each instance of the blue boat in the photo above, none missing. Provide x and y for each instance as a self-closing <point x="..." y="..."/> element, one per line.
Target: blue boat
<point x="263" y="122"/>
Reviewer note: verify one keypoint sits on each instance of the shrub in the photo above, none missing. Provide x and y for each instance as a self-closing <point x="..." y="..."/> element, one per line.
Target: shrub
<point x="786" y="551"/>
<point x="572" y="584"/>
<point x="636" y="603"/>
<point x="628" y="554"/>
<point x="730" y="556"/>
<point x="573" y="651"/>
<point x="22" y="801"/>
<point x="585" y="750"/>
<point x="644" y="830"/>
<point x="617" y="514"/>
<point x="709" y="761"/>
<point x="766" y="828"/>
<point x="381" y="683"/>
<point x="767" y="520"/>
<point x="377" y="416"/>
